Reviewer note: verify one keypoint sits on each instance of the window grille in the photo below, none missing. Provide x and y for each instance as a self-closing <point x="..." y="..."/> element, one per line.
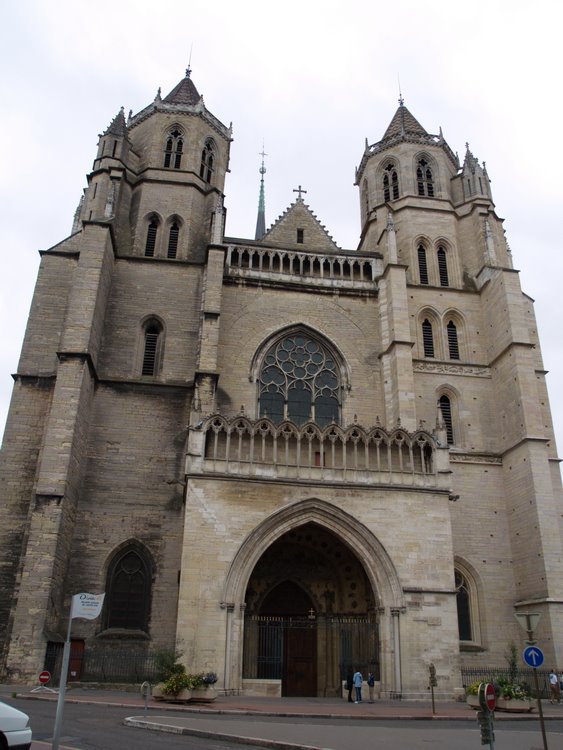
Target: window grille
<point x="173" y="240"/>
<point x="300" y="381"/>
<point x="442" y="267"/>
<point x="422" y="265"/>
<point x="452" y="340"/>
<point x="427" y="338"/>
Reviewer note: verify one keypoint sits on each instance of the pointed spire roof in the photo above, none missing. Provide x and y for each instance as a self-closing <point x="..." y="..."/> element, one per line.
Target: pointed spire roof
<point x="402" y="123"/>
<point x="118" y="125"/>
<point x="184" y="93"/>
<point x="261" y="218"/>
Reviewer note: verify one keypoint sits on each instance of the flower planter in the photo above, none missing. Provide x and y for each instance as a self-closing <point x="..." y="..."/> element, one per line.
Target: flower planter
<point x="473" y="701"/>
<point x="515" y="705"/>
<point x="182" y="697"/>
<point x="158" y="693"/>
<point x="204" y="694"/>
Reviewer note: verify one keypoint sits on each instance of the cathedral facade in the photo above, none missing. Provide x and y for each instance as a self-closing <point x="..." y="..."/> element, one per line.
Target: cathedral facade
<point x="284" y="458"/>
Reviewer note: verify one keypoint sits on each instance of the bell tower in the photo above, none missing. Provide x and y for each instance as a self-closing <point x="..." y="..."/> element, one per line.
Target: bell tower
<point x="159" y="177"/>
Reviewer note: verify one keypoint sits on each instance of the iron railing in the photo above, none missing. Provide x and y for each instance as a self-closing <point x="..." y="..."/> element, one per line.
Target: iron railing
<point x="470" y="675"/>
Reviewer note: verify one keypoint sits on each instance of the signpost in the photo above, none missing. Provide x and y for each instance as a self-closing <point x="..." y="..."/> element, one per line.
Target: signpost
<point x="433" y="683"/>
<point x="533" y="657"/>
<point x="88" y="607"/>
<point x="44" y="677"/>
<point x="487" y="701"/>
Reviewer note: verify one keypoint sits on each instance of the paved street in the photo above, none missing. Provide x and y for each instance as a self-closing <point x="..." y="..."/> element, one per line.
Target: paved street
<point x="104" y="720"/>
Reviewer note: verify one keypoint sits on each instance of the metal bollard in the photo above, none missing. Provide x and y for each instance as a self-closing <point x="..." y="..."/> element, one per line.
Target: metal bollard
<point x="145" y="692"/>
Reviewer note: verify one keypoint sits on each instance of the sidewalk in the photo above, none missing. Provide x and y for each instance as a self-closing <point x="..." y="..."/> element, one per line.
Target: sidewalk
<point x="255" y="720"/>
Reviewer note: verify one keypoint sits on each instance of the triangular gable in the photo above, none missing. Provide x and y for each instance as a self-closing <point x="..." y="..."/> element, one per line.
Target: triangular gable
<point x="286" y="231"/>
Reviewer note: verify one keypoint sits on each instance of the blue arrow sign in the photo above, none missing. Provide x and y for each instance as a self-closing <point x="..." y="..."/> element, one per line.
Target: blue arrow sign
<point x="533" y="656"/>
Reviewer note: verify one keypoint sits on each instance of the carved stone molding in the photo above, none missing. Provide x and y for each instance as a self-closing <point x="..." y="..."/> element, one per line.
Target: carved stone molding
<point x="475" y="458"/>
<point x="443" y="368"/>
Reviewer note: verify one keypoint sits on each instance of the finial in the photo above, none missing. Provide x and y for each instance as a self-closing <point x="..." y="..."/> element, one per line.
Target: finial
<point x="189" y="68"/>
<point x="299" y="190"/>
<point x="401" y="100"/>
<point x="467" y="145"/>
<point x="262" y="153"/>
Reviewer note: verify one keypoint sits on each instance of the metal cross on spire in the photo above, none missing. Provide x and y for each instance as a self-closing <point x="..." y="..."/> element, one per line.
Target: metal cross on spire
<point x="299" y="190"/>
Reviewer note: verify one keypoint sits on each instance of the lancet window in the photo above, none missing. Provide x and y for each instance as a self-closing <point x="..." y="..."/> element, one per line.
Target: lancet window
<point x="422" y="265"/>
<point x="442" y="267"/>
<point x="128" y="590"/>
<point x="427" y="338"/>
<point x="173" y="149"/>
<point x="390" y="183"/>
<point x="300" y="381"/>
<point x="152" y="348"/>
<point x="207" y="159"/>
<point x="446" y="408"/>
<point x="463" y="599"/>
<point x="424" y="180"/>
<point x="150" y="242"/>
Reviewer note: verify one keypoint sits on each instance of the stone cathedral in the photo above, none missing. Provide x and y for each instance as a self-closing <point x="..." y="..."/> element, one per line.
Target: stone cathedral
<point x="284" y="458"/>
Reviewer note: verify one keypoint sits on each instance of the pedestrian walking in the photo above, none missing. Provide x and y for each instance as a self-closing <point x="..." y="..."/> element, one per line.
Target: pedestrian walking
<point x="371" y="686"/>
<point x="554" y="687"/>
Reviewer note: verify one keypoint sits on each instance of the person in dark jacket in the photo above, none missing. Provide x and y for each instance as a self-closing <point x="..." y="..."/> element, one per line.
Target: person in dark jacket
<point x="349" y="685"/>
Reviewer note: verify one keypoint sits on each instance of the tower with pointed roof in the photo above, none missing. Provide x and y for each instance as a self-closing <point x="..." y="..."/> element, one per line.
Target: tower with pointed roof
<point x="281" y="457"/>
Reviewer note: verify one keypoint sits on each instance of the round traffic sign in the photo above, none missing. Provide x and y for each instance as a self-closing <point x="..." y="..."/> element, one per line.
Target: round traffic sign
<point x="490" y="697"/>
<point x="44" y="677"/>
<point x="533" y="656"/>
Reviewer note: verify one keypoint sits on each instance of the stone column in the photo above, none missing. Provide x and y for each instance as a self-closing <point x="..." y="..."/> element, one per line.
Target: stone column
<point x="395" y="612"/>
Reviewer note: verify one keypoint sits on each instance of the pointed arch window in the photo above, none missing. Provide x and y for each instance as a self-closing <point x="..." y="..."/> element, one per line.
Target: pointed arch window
<point x="427" y="338"/>
<point x="442" y="267"/>
<point x="207" y="161"/>
<point x="463" y="599"/>
<point x="453" y="344"/>
<point x="152" y="348"/>
<point x="173" y="240"/>
<point x="150" y="242"/>
<point x="424" y="179"/>
<point x="446" y="408"/>
<point x="390" y="183"/>
<point x="422" y="265"/>
<point x="128" y="590"/>
<point x="174" y="149"/>
<point x="300" y="381"/>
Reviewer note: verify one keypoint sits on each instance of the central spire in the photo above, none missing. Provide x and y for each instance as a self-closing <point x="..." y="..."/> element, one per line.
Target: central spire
<point x="261" y="219"/>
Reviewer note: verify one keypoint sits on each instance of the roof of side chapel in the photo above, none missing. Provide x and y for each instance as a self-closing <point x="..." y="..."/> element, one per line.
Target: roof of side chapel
<point x="298" y="215"/>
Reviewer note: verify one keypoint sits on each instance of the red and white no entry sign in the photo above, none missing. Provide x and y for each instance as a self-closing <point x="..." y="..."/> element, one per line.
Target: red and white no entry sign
<point x="44" y="677"/>
<point x="490" y="697"/>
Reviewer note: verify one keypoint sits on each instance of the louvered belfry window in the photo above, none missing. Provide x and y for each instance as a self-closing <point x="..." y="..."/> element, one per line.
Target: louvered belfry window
<point x="152" y="334"/>
<point x="424" y="179"/>
<point x="446" y="408"/>
<point x="427" y="338"/>
<point x="422" y="265"/>
<point x="453" y="345"/>
<point x="390" y="183"/>
<point x="442" y="267"/>
<point x="207" y="159"/>
<point x="173" y="240"/>
<point x="151" y="238"/>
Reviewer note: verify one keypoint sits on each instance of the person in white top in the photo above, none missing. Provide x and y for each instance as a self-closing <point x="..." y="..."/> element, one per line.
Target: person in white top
<point x="554" y="687"/>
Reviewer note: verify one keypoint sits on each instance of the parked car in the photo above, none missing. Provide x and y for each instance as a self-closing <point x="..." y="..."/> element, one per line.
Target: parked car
<point x="15" y="732"/>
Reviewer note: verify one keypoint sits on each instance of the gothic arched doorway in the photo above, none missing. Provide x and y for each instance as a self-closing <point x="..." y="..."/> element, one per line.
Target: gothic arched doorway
<point x="310" y="614"/>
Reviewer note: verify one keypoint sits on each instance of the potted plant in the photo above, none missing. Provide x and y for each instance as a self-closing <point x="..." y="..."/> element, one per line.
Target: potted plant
<point x="204" y="690"/>
<point x="472" y="692"/>
<point x="513" y="696"/>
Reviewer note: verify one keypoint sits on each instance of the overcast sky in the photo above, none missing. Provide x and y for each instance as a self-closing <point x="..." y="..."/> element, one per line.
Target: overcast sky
<point x="312" y="80"/>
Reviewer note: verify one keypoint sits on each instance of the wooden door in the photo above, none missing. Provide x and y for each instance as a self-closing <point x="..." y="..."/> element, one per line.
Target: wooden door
<point x="300" y="662"/>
